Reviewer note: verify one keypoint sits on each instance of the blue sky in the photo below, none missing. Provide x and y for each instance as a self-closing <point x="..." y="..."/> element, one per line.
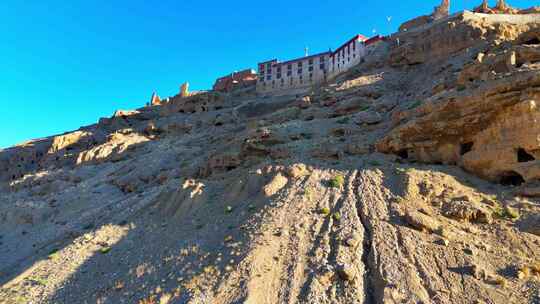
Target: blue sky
<point x="65" y="64"/>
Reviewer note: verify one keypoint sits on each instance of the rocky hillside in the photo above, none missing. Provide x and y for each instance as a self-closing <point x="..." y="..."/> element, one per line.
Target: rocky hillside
<point x="413" y="179"/>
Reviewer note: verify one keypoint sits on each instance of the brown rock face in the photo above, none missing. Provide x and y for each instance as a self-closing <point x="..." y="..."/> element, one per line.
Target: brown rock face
<point x="487" y="124"/>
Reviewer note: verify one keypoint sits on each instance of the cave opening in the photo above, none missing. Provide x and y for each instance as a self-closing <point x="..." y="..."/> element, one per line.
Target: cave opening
<point x="523" y="156"/>
<point x="511" y="178"/>
<point x="403" y="153"/>
<point x="466" y="148"/>
<point x="532" y="41"/>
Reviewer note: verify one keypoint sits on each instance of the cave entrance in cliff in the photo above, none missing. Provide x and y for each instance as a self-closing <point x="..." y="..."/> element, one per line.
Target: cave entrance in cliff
<point x="511" y="178"/>
<point x="533" y="41"/>
<point x="523" y="156"/>
<point x="466" y="148"/>
<point x="404" y="153"/>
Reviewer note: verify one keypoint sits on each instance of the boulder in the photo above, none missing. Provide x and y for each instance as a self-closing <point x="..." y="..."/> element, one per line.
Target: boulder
<point x="422" y="221"/>
<point x="468" y="211"/>
<point x="530" y="224"/>
<point x="367" y="117"/>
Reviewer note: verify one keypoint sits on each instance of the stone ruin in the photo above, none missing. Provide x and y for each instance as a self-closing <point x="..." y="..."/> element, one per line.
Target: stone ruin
<point x="502" y="8"/>
<point x="184" y="89"/>
<point x="439" y="12"/>
<point x="155" y="100"/>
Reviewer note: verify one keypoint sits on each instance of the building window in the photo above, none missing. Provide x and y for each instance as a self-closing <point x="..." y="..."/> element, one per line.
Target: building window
<point x="321" y="59"/>
<point x="299" y="71"/>
<point x="311" y="61"/>
<point x="269" y="77"/>
<point x="278" y="75"/>
<point x="289" y="67"/>
<point x="354" y="45"/>
<point x="310" y="69"/>
<point x="279" y="69"/>
<point x="321" y="66"/>
<point x="289" y="73"/>
<point x="300" y="64"/>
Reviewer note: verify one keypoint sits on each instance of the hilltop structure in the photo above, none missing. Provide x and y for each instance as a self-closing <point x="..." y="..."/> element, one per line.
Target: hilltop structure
<point x="155" y="100"/>
<point x="439" y="12"/>
<point x="236" y="80"/>
<point x="300" y="73"/>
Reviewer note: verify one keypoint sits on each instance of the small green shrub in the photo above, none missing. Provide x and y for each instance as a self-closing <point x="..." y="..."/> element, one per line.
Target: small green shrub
<point x="336" y="216"/>
<point x="344" y="120"/>
<point x="105" y="250"/>
<point x="53" y="254"/>
<point x="337" y="181"/>
<point x="374" y="163"/>
<point x="511" y="213"/>
<point x="506" y="212"/>
<point x="363" y="108"/>
<point x="415" y="105"/>
<point x="325" y="211"/>
<point x="228" y="209"/>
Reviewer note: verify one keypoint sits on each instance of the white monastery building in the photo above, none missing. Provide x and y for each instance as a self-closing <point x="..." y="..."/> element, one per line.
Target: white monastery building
<point x="301" y="73"/>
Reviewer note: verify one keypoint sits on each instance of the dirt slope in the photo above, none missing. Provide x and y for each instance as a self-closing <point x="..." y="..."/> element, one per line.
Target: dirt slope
<point x="366" y="190"/>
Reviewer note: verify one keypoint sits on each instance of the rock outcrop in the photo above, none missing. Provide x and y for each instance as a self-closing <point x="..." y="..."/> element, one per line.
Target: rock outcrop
<point x="487" y="124"/>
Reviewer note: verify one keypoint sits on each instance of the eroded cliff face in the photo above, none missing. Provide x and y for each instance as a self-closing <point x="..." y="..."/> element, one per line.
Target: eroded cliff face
<point x="393" y="183"/>
<point x="486" y="119"/>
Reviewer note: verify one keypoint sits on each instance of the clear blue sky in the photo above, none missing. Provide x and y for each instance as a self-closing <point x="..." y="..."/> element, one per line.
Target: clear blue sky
<point x="65" y="64"/>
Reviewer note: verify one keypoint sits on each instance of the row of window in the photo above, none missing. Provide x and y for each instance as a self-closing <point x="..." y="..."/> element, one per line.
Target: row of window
<point x="322" y="61"/>
<point x="310" y="61"/>
<point x="282" y="83"/>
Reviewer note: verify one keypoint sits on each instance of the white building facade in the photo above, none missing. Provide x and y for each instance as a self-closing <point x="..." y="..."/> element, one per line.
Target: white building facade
<point x="302" y="73"/>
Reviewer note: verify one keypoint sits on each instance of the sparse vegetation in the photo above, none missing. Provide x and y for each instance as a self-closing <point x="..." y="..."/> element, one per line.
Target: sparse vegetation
<point x="374" y="163"/>
<point x="39" y="280"/>
<point x="344" y="120"/>
<point x="337" y="181"/>
<point x="506" y="213"/>
<point x="53" y="254"/>
<point x="325" y="211"/>
<point x="363" y="108"/>
<point x="228" y="209"/>
<point x="105" y="250"/>
<point x="415" y="105"/>
<point x="336" y="216"/>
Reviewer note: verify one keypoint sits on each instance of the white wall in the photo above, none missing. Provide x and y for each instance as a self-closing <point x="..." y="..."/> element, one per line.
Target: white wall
<point x="348" y="57"/>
